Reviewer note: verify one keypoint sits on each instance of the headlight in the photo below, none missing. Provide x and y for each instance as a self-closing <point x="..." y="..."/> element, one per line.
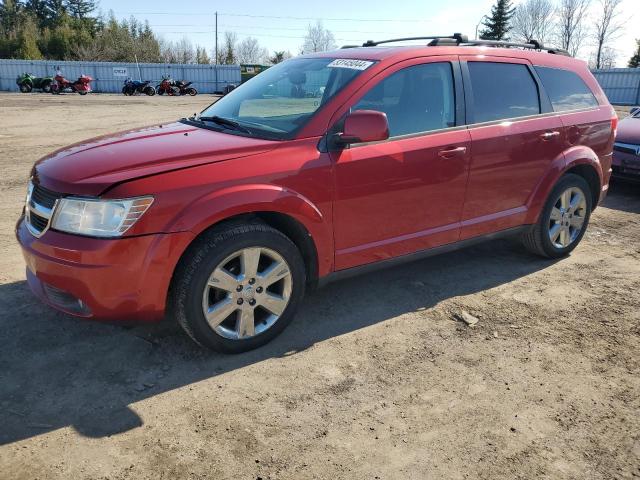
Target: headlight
<point x="98" y="218"/>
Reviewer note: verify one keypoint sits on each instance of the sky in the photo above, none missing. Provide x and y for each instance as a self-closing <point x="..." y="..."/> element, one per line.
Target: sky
<point x="281" y="25"/>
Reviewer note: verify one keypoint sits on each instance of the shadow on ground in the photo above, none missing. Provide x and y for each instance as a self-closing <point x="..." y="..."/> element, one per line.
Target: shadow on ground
<point x="57" y="371"/>
<point x="624" y="196"/>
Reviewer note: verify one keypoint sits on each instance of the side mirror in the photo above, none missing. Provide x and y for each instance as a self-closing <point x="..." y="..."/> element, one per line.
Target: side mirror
<point x="364" y="126"/>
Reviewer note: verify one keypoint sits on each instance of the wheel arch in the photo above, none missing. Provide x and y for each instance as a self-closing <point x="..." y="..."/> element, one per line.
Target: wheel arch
<point x="579" y="160"/>
<point x="286" y="211"/>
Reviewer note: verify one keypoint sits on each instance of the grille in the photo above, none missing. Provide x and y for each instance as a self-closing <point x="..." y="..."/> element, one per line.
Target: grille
<point x="39" y="208"/>
<point x="44" y="197"/>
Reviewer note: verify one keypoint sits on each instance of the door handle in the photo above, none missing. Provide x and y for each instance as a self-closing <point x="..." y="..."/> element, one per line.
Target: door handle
<point x="452" y="152"/>
<point x="549" y="135"/>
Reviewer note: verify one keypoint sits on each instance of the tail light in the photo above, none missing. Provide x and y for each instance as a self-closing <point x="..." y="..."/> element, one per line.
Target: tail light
<point x="614" y="122"/>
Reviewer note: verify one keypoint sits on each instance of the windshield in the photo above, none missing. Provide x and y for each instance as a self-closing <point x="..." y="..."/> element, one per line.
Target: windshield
<point x="281" y="100"/>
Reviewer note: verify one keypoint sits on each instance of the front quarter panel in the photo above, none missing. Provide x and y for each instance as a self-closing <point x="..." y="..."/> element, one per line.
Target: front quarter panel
<point x="294" y="180"/>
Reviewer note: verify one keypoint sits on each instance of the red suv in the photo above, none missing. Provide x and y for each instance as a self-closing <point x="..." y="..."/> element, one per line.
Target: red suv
<point x="322" y="166"/>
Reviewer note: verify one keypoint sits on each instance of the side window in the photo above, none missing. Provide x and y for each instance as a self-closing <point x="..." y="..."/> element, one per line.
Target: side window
<point x="502" y="90"/>
<point x="567" y="91"/>
<point x="416" y="99"/>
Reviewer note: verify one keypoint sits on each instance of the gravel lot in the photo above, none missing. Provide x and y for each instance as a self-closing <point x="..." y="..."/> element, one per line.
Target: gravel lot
<point x="375" y="379"/>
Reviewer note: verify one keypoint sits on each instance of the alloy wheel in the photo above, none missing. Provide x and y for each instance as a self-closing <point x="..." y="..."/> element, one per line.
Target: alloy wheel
<point x="567" y="217"/>
<point x="247" y="293"/>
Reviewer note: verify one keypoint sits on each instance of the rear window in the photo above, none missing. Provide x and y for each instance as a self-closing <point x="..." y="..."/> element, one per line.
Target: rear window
<point x="502" y="90"/>
<point x="567" y="91"/>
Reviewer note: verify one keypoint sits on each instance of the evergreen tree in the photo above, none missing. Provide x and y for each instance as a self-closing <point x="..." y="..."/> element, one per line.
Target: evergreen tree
<point x="80" y="8"/>
<point x="201" y="56"/>
<point x="27" y="46"/>
<point x="634" y="62"/>
<point x="497" y="24"/>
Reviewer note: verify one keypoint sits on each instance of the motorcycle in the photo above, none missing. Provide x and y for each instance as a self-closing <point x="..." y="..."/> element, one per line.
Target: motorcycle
<point x="167" y="85"/>
<point x="185" y="88"/>
<point x="172" y="87"/>
<point x="82" y="85"/>
<point x="28" y="81"/>
<point x="131" y="87"/>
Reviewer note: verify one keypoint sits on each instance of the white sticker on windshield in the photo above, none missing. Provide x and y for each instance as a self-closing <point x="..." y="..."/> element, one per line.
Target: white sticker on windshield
<point x="349" y="63"/>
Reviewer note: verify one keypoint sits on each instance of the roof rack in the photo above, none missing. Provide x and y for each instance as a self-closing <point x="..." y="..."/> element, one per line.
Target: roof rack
<point x="458" y="39"/>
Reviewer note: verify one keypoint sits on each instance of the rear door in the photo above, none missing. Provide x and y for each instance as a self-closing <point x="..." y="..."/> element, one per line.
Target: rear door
<point x="515" y="137"/>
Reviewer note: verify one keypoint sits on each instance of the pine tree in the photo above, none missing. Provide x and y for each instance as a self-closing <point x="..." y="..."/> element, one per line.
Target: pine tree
<point x="27" y="46"/>
<point x="497" y="25"/>
<point x="634" y="62"/>
<point x="80" y="8"/>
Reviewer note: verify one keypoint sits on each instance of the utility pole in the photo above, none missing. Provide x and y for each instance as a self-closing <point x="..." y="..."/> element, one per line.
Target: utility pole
<point x="216" y="62"/>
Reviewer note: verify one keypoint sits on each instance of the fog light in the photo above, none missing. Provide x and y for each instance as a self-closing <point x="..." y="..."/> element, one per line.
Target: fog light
<point x="65" y="301"/>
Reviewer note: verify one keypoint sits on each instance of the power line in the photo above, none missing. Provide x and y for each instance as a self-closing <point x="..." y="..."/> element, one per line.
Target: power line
<point x="283" y="17"/>
<point x="262" y="28"/>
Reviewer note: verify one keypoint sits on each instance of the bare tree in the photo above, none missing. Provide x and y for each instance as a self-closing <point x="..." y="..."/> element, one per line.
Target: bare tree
<point x="250" y="51"/>
<point x="571" y="30"/>
<point x="533" y="20"/>
<point x="318" y="39"/>
<point x="228" y="53"/>
<point x="177" y="52"/>
<point x="607" y="58"/>
<point x="606" y="27"/>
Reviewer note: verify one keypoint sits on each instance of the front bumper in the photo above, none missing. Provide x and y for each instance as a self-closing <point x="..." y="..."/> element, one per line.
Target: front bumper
<point x="125" y="279"/>
<point x="626" y="165"/>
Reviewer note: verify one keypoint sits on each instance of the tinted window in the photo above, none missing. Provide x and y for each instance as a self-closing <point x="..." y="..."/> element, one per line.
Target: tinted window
<point x="566" y="90"/>
<point x="415" y="99"/>
<point x="502" y="90"/>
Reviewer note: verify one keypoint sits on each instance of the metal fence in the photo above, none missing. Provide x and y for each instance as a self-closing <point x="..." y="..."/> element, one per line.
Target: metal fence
<point x="109" y="76"/>
<point x="622" y="85"/>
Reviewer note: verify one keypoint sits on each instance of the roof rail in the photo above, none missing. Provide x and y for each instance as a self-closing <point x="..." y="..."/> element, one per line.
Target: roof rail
<point x="462" y="40"/>
<point x="458" y="37"/>
<point x="531" y="44"/>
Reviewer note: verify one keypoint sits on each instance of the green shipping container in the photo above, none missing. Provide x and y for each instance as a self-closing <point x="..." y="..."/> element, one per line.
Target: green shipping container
<point x="250" y="71"/>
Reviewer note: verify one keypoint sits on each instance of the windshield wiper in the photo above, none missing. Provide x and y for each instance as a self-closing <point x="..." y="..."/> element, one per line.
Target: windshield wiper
<point x="227" y="122"/>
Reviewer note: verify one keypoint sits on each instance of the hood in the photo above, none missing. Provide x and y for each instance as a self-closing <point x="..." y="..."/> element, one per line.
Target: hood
<point x="92" y="166"/>
<point x="629" y="131"/>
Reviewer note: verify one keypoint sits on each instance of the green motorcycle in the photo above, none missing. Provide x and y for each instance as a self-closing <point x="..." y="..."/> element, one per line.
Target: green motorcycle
<point x="27" y="82"/>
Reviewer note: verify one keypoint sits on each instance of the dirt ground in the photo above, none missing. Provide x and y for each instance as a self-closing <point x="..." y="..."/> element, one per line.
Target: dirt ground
<point x="375" y="379"/>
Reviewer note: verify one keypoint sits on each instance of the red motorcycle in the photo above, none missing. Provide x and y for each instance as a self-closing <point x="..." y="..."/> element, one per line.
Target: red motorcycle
<point x="82" y="85"/>
<point x="168" y="86"/>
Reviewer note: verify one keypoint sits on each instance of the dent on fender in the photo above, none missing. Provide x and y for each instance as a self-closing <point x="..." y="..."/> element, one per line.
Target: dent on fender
<point x="254" y="198"/>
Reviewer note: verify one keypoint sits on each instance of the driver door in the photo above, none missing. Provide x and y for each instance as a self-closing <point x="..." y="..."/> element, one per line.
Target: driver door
<point x="404" y="194"/>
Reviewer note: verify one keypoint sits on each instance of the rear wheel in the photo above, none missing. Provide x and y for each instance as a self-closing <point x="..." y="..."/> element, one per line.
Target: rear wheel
<point x="46" y="87"/>
<point x="192" y="91"/>
<point x="563" y="220"/>
<point x="238" y="287"/>
<point x="150" y="91"/>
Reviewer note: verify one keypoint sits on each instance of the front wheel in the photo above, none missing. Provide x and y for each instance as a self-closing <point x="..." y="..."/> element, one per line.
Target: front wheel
<point x="82" y="92"/>
<point x="238" y="287"/>
<point x="25" y="87"/>
<point x="563" y="220"/>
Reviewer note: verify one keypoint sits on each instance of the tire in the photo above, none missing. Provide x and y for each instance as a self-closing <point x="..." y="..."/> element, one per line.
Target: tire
<point x="538" y="239"/>
<point x="125" y="91"/>
<point x="82" y="92"/>
<point x="25" y="87"/>
<point x="46" y="87"/>
<point x="150" y="91"/>
<point x="190" y="291"/>
<point x="55" y="88"/>
<point x="192" y="91"/>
